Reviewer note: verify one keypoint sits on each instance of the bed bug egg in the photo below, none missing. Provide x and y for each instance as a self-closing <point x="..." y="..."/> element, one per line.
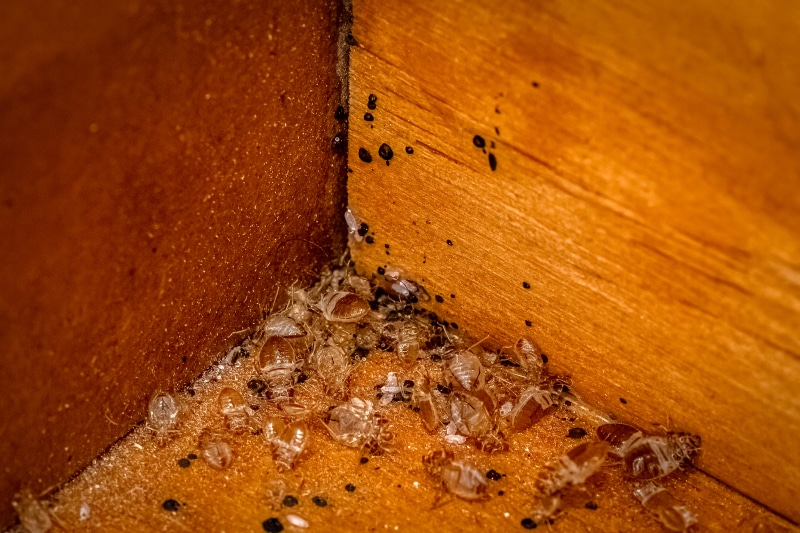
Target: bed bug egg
<point x="214" y="450"/>
<point x="162" y="417"/>
<point x="572" y="468"/>
<point x="287" y="442"/>
<point x="33" y="514"/>
<point x="457" y="477"/>
<point x="277" y="363"/>
<point x="342" y="306"/>
<point x="672" y="514"/>
<point x="353" y="225"/>
<point x="235" y="410"/>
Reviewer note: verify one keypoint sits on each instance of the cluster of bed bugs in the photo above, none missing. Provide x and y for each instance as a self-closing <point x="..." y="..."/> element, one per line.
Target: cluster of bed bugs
<point x="467" y="394"/>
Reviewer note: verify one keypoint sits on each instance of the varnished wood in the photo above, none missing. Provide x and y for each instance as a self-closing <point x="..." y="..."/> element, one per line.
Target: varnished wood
<point x="647" y="190"/>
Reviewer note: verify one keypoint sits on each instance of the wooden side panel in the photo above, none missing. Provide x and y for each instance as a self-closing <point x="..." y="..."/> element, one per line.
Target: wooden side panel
<point x="643" y="218"/>
<point x="164" y="167"/>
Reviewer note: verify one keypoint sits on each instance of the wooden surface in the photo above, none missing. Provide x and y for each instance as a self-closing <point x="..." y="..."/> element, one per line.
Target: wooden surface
<point x="647" y="188"/>
<point x="163" y="166"/>
<point x="125" y="489"/>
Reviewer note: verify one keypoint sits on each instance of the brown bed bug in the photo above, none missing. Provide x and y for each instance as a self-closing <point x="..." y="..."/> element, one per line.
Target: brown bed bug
<point x="288" y="442"/>
<point x="573" y="468"/>
<point x="33" y="514"/>
<point x="531" y="407"/>
<point x="235" y="410"/>
<point x="672" y="514"/>
<point x="340" y="306"/>
<point x="277" y="363"/>
<point x="163" y="414"/>
<point x="357" y="425"/>
<point x="457" y="477"/>
<point x="215" y="450"/>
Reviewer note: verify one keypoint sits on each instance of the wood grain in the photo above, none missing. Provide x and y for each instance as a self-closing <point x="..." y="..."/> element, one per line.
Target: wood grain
<point x="647" y="189"/>
<point x="164" y="166"/>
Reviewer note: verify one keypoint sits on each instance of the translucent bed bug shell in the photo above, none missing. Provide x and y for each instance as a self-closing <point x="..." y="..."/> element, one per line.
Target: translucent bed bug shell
<point x="357" y="425"/>
<point x="467" y="371"/>
<point x="457" y="477"/>
<point x="619" y="437"/>
<point x="531" y="407"/>
<point x="282" y="326"/>
<point x="530" y="356"/>
<point x="33" y="514"/>
<point x="277" y="363"/>
<point x="353" y="225"/>
<point x="672" y="514"/>
<point x="408" y="342"/>
<point x="215" y="450"/>
<point x="360" y="286"/>
<point x="333" y="367"/>
<point x="573" y="468"/>
<point x="163" y="414"/>
<point x="288" y="442"/>
<point x="423" y="400"/>
<point x="235" y="410"/>
<point x="342" y="306"/>
<point x="469" y="415"/>
<point x="653" y="457"/>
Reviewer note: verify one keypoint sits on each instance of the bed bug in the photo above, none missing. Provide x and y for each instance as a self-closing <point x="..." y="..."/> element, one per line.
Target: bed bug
<point x="287" y="442"/>
<point x="532" y="405"/>
<point x="33" y="514"/>
<point x="619" y="437"/>
<point x="235" y="410"/>
<point x="277" y="363"/>
<point x="357" y="425"/>
<point x="215" y="450"/>
<point x="163" y="414"/>
<point x="282" y="326"/>
<point x="408" y="342"/>
<point x="572" y="468"/>
<point x="458" y="477"/>
<point x="672" y="514"/>
<point x="423" y="400"/>
<point x="340" y="306"/>
<point x="653" y="457"/>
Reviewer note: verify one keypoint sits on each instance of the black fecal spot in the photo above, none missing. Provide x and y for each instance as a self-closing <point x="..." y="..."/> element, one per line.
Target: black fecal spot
<point x="256" y="408"/>
<point x="453" y="325"/>
<point x="492" y="162"/>
<point x="192" y="456"/>
<point x="319" y="501"/>
<point x="350" y="487"/>
<point x="493" y="474"/>
<point x="408" y="384"/>
<point x="183" y="359"/>
<point x="351" y="40"/>
<point x="370" y="239"/>
<point x="564" y="389"/>
<point x="290" y="501"/>
<point x="368" y="117"/>
<point x="363" y="460"/>
<point x="360" y="353"/>
<point x="387" y="164"/>
<point x="190" y="392"/>
<point x="338" y="142"/>
<point x="478" y="141"/>
<point x="545" y="358"/>
<point x="381" y="271"/>
<point x="526" y="285"/>
<point x="364" y="155"/>
<point x="385" y="151"/>
<point x="500" y="492"/>
<point x="409" y="150"/>
<point x="435" y="357"/>
<point x="497" y="109"/>
<point x="535" y="84"/>
<point x="576" y="433"/>
<point x="441" y="388"/>
<point x="340" y="113"/>
<point x="183" y="462"/>
<point x="623" y="400"/>
<point x="591" y="506"/>
<point x="449" y="242"/>
<point x="497" y="131"/>
<point x="528" y="523"/>
<point x="528" y="323"/>
<point x="302" y="378"/>
<point x="452" y="296"/>
<point x="171" y="505"/>
<point x="386" y="246"/>
<point x="439" y="298"/>
<point x="371" y="99"/>
<point x="508" y="362"/>
<point x="568" y="404"/>
<point x="372" y="105"/>
<point x="363" y="229"/>
<point x="446" y="324"/>
<point x="272" y="525"/>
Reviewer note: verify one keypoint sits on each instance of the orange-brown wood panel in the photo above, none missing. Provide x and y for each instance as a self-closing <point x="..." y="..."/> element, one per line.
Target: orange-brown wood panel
<point x="643" y="215"/>
<point x="164" y="167"/>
